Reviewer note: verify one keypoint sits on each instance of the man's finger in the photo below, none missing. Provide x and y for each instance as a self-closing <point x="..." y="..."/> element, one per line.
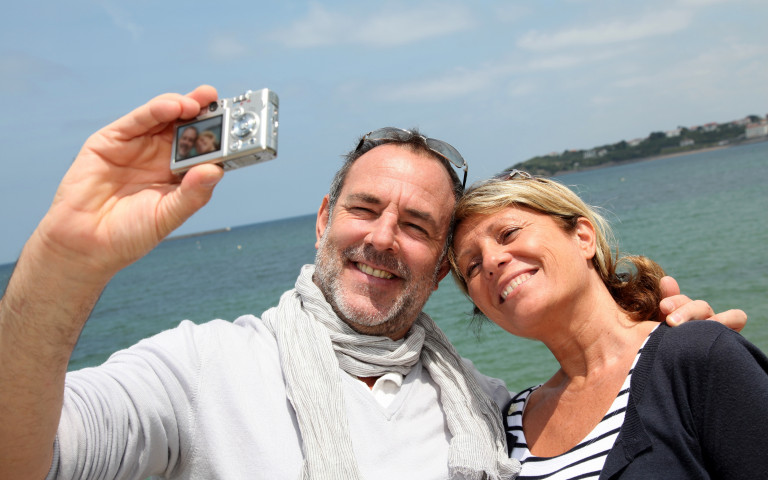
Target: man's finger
<point x="684" y="310"/>
<point x="672" y="302"/>
<point x="734" y="319"/>
<point x="194" y="192"/>
<point x="162" y="110"/>
<point x="669" y="287"/>
<point x="203" y="95"/>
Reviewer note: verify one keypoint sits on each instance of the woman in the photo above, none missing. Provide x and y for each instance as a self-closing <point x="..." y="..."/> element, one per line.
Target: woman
<point x="206" y="142"/>
<point x="633" y="398"/>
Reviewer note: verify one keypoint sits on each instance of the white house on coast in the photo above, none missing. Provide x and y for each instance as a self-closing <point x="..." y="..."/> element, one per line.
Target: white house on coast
<point x="755" y="130"/>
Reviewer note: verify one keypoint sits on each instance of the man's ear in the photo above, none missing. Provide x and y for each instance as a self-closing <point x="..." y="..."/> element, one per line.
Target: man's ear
<point x="445" y="267"/>
<point x="322" y="220"/>
<point x="587" y="238"/>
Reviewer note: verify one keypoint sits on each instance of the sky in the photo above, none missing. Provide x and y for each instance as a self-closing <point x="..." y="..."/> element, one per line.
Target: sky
<point x="502" y="81"/>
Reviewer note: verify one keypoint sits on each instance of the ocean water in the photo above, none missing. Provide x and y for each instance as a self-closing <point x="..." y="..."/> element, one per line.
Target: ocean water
<point x="703" y="216"/>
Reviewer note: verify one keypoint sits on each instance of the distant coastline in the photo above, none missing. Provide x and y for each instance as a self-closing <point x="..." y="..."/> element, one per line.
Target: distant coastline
<point x="197" y="234"/>
<point x="660" y="157"/>
<point x="680" y="141"/>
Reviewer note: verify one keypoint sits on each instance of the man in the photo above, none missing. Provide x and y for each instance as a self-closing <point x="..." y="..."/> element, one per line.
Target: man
<point x="281" y="396"/>
<point x="186" y="143"/>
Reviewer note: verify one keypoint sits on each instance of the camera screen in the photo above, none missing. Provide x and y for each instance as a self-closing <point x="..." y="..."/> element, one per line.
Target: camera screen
<point x="198" y="138"/>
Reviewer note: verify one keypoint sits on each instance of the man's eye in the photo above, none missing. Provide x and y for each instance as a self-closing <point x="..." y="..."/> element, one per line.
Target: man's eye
<point x="417" y="228"/>
<point x="361" y="210"/>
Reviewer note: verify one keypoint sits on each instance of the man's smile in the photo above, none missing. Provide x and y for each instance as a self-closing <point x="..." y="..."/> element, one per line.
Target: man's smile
<point x="373" y="271"/>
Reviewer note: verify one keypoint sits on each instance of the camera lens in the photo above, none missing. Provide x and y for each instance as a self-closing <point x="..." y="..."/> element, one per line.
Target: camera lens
<point x="213" y="106"/>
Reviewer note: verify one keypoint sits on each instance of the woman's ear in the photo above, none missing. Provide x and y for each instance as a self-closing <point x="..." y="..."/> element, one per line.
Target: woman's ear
<point x="586" y="236"/>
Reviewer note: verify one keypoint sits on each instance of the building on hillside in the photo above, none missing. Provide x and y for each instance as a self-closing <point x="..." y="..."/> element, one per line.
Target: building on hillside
<point x="686" y="142"/>
<point x="594" y="153"/>
<point x="755" y="130"/>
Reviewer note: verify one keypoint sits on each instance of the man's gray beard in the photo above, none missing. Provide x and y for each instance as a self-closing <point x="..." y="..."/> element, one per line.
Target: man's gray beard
<point x="398" y="317"/>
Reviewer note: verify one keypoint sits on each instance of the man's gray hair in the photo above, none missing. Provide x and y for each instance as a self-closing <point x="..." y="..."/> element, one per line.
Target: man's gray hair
<point x="411" y="139"/>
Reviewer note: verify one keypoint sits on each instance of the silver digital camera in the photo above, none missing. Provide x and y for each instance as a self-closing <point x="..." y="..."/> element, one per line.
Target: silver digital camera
<point x="232" y="132"/>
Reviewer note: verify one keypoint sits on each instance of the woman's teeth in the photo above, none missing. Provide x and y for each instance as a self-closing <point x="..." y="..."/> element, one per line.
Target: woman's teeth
<point x="516" y="282"/>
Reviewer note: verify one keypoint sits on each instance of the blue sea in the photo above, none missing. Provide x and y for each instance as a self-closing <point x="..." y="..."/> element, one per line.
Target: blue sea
<point x="702" y="216"/>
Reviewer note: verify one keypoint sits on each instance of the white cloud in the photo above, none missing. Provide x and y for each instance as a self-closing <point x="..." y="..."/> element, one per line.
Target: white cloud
<point x="226" y="47"/>
<point x="662" y="23"/>
<point x="555" y="62"/>
<point x="522" y="89"/>
<point x="440" y="88"/>
<point x="602" y="100"/>
<point x="701" y="3"/>
<point x="719" y="66"/>
<point x="521" y="74"/>
<point x="121" y="19"/>
<point x="570" y="61"/>
<point x="509" y="12"/>
<point x="21" y="73"/>
<point x="383" y="28"/>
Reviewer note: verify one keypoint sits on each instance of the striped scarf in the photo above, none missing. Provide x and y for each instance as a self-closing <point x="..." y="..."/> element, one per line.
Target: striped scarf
<point x="313" y="343"/>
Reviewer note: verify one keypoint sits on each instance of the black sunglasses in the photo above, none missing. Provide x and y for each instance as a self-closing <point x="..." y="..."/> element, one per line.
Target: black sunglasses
<point x="439" y="147"/>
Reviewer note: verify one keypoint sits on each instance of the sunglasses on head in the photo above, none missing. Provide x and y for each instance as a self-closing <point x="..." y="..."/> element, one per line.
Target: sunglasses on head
<point x="439" y="147"/>
<point x="516" y="174"/>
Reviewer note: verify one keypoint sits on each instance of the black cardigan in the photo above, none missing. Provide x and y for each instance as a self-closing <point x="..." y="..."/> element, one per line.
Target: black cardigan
<point x="697" y="408"/>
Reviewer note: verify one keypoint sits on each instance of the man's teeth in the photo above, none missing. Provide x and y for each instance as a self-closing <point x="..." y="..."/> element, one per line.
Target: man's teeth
<point x="519" y="280"/>
<point x="372" y="271"/>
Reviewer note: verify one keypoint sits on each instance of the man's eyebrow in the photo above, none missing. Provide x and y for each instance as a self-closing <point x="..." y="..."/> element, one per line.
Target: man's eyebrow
<point x="364" y="197"/>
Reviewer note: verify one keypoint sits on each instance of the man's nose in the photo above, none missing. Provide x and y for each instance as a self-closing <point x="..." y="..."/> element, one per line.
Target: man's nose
<point x="383" y="234"/>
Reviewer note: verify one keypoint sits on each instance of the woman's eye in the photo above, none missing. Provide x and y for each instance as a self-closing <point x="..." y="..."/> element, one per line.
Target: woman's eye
<point x="471" y="269"/>
<point x="509" y="233"/>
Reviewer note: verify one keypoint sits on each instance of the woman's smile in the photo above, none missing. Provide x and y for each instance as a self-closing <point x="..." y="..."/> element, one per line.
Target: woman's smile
<point x="515" y="283"/>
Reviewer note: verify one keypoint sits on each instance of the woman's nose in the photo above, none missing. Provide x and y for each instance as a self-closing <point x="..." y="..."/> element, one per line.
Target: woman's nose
<point x="493" y="260"/>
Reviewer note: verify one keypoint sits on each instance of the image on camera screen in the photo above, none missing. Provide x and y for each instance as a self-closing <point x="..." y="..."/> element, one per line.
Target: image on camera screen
<point x="198" y="138"/>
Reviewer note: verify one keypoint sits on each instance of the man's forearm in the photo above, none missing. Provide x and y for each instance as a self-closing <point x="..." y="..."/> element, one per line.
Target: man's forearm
<point x="41" y="316"/>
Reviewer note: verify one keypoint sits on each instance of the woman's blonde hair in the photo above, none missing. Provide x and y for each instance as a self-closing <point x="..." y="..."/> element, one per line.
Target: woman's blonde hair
<point x="212" y="136"/>
<point x="635" y="288"/>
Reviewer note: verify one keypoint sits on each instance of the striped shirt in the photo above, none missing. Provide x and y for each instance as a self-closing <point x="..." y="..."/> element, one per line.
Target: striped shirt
<point x="586" y="459"/>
